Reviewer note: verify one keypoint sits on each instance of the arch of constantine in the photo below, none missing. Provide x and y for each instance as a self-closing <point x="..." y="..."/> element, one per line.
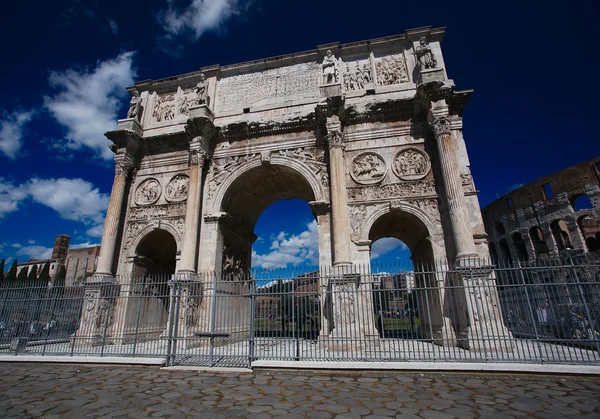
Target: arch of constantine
<point x="369" y="133"/>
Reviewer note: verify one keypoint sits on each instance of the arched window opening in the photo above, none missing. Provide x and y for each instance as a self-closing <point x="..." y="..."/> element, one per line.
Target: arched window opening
<point x="505" y="251"/>
<point x="493" y="253"/>
<point x="520" y="247"/>
<point x="561" y="235"/>
<point x="581" y="202"/>
<point x="539" y="243"/>
<point x="500" y="228"/>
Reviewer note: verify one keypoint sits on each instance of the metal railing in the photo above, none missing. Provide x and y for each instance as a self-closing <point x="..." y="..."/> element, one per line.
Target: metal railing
<point x="526" y="312"/>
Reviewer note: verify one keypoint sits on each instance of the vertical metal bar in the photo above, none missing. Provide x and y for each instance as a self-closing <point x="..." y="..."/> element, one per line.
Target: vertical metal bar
<point x="585" y="304"/>
<point x="252" y="320"/>
<point x="537" y="337"/>
<point x="212" y="322"/>
<point x="176" y="320"/>
<point x="137" y="321"/>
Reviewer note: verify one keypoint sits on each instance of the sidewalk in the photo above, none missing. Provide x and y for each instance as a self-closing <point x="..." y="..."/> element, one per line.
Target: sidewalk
<point x="72" y="391"/>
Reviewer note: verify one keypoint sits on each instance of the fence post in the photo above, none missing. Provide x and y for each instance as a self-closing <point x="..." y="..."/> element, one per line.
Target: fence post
<point x="212" y="322"/>
<point x="585" y="304"/>
<point x="137" y="321"/>
<point x="537" y="337"/>
<point x="252" y="319"/>
<point x="175" y="336"/>
<point x="170" y="323"/>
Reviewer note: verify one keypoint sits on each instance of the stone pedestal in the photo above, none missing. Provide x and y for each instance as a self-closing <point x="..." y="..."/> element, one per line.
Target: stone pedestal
<point x="331" y="90"/>
<point x="97" y="316"/>
<point x="484" y="330"/>
<point x="190" y="296"/>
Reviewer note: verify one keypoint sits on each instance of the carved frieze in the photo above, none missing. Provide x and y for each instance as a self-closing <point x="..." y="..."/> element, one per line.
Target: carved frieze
<point x="219" y="172"/>
<point x="411" y="163"/>
<point x="233" y="265"/>
<point x="164" y="108"/>
<point x="147" y="192"/>
<point x="314" y="158"/>
<point x="131" y="232"/>
<point x="177" y="188"/>
<point x="467" y="182"/>
<point x="396" y="190"/>
<point x="391" y="69"/>
<point x="358" y="215"/>
<point x="179" y="225"/>
<point x="246" y="89"/>
<point x="186" y="101"/>
<point x="157" y="211"/>
<point x="429" y="206"/>
<point x="368" y="168"/>
<point x="357" y="75"/>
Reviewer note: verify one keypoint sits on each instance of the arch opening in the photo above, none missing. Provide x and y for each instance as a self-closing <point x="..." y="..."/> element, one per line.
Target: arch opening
<point x="249" y="196"/>
<point x="407" y="302"/>
<point x="581" y="202"/>
<point x="561" y="235"/>
<point x="538" y="240"/>
<point x="154" y="264"/>
<point x="520" y="248"/>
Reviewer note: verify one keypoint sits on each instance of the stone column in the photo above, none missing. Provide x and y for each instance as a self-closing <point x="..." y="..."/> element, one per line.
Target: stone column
<point x="339" y="199"/>
<point x="123" y="166"/>
<point x="457" y="204"/>
<point x="528" y="244"/>
<point x="549" y="239"/>
<point x="593" y="192"/>
<point x="193" y="210"/>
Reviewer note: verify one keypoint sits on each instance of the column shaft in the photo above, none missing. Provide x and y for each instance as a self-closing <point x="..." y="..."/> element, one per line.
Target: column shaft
<point x="457" y="204"/>
<point x="339" y="199"/>
<point x="123" y="166"/>
<point x="192" y="213"/>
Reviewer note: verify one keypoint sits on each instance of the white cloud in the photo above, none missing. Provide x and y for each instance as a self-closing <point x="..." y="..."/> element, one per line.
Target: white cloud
<point x="386" y="245"/>
<point x="200" y="16"/>
<point x="83" y="245"/>
<point x="10" y="197"/>
<point x="73" y="199"/>
<point x="35" y="252"/>
<point x="11" y="132"/>
<point x="88" y="102"/>
<point x="114" y="26"/>
<point x="298" y="249"/>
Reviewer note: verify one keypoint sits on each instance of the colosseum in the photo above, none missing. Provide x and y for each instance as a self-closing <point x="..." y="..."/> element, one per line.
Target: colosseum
<point x="550" y="216"/>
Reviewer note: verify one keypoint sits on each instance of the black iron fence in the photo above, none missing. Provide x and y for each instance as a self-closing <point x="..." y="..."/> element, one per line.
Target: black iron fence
<point x="542" y="312"/>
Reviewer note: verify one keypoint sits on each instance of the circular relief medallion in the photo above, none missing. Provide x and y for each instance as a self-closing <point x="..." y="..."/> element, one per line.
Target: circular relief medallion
<point x="411" y="163"/>
<point x="368" y="168"/>
<point x="147" y="192"/>
<point x="177" y="189"/>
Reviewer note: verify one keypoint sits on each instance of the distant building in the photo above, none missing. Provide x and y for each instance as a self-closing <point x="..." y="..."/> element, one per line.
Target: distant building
<point x="547" y="217"/>
<point x="78" y="261"/>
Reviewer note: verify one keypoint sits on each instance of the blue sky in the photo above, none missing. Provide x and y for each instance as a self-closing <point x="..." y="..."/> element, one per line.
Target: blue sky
<point x="66" y="64"/>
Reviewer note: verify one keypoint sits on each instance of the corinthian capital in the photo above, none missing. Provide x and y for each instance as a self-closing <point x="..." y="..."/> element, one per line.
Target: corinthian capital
<point x="440" y="126"/>
<point x="123" y="164"/>
<point x="198" y="156"/>
<point x="335" y="139"/>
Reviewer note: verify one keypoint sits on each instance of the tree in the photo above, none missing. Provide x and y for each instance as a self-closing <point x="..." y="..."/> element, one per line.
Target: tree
<point x="22" y="277"/>
<point x="2" y="271"/>
<point x="44" y="277"/>
<point x="12" y="272"/>
<point x="32" y="277"/>
<point x="61" y="276"/>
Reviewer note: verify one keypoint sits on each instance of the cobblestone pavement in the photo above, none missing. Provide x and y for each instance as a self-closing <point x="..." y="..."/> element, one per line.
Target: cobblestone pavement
<point x="53" y="391"/>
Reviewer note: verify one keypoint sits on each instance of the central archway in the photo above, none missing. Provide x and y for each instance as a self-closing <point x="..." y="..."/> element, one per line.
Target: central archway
<point x="409" y="303"/>
<point x="246" y="193"/>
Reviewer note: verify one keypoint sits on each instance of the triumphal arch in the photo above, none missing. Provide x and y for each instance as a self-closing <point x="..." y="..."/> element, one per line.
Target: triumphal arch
<point x="369" y="133"/>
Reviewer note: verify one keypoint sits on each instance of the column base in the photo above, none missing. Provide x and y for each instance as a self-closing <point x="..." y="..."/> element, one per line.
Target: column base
<point x="186" y="275"/>
<point x="101" y="278"/>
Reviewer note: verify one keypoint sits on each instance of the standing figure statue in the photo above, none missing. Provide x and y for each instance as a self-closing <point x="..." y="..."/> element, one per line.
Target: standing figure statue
<point x="330" y="69"/>
<point x="425" y="55"/>
<point x="202" y="91"/>
<point x="134" y="106"/>
<point x="367" y="73"/>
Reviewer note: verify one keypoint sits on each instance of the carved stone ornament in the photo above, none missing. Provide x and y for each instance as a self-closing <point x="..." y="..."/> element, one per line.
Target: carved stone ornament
<point x="281" y="82"/>
<point x="368" y="168"/>
<point x="134" y="106"/>
<point x="467" y="182"/>
<point x="335" y="139"/>
<point x="177" y="188"/>
<point x="220" y="172"/>
<point x="313" y="158"/>
<point x="164" y="109"/>
<point x="391" y="70"/>
<point x="411" y="163"/>
<point x="425" y="56"/>
<point x="358" y="214"/>
<point x="357" y="75"/>
<point x="148" y="192"/>
<point x="441" y="126"/>
<point x="233" y="266"/>
<point x="331" y="73"/>
<point x="397" y="190"/>
<point x="186" y="101"/>
<point x="201" y="91"/>
<point x="157" y="211"/>
<point x="198" y="156"/>
<point x="131" y="232"/>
